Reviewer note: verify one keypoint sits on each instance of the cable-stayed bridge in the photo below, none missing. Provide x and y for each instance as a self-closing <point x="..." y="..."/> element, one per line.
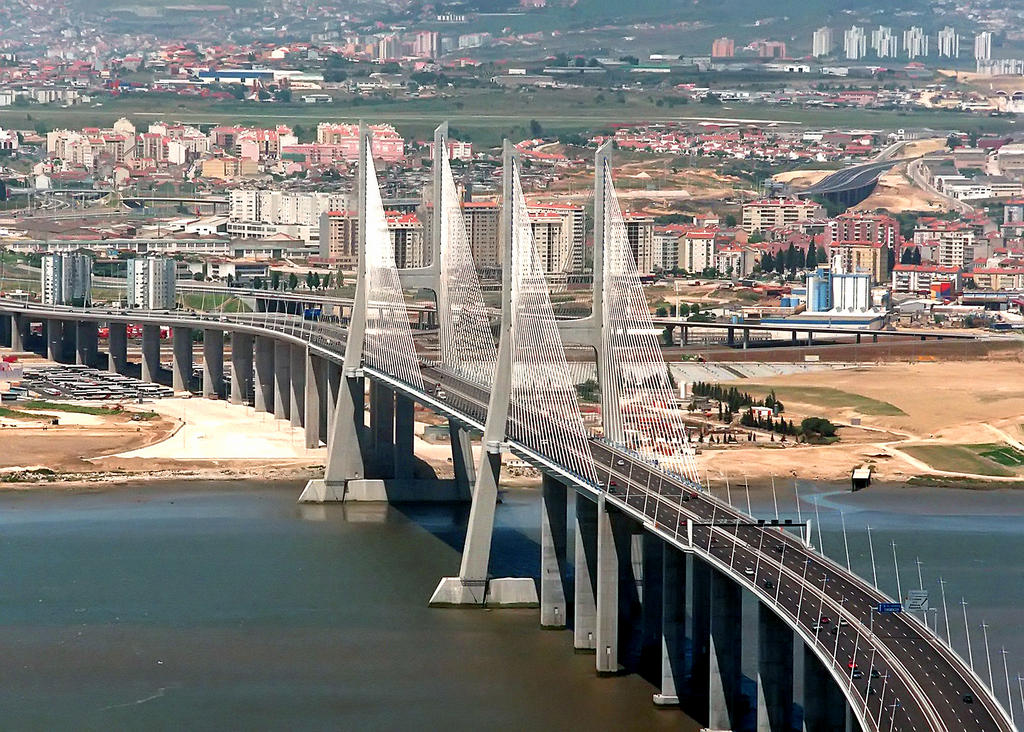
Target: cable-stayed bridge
<point x="659" y="564"/>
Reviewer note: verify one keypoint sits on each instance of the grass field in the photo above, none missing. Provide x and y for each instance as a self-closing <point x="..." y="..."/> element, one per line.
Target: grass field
<point x="43" y="405"/>
<point x="1003" y="454"/>
<point x="18" y="414"/>
<point x="825" y="396"/>
<point x="483" y="115"/>
<point x="956" y="459"/>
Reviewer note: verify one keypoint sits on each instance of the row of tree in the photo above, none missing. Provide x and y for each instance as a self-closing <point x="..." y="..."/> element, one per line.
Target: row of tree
<point x="780" y="425"/>
<point x="733" y="399"/>
<point x="313" y="281"/>
<point x="792" y="259"/>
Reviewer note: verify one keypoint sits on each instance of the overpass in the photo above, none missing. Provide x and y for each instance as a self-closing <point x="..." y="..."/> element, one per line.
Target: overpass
<point x="849" y="186"/>
<point x="660" y="563"/>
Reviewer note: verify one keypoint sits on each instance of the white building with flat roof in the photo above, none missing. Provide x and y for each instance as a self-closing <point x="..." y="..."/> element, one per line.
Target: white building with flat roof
<point x="66" y="279"/>
<point x="151" y="282"/>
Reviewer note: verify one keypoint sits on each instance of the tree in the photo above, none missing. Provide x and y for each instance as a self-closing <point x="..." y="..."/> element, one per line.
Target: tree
<point x="684" y="309"/>
<point x="309" y="280"/>
<point x="535" y="128"/>
<point x="316" y="281"/>
<point x="326" y="282"/>
<point x="812" y="256"/>
<point x="231" y="279"/>
<point x="767" y="262"/>
<point x="891" y="255"/>
<point x="257" y="283"/>
<point x="275" y="280"/>
<point x="916" y="256"/>
<point x="198" y="276"/>
<point x="293" y="281"/>
<point x="822" y="256"/>
<point x="730" y="220"/>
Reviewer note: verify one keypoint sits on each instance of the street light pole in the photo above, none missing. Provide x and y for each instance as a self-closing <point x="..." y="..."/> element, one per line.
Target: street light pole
<point x="945" y="612"/>
<point x="988" y="656"/>
<point x="871" y="549"/>
<point x="817" y="520"/>
<point x="746" y="488"/>
<point x="846" y="542"/>
<point x="896" y="566"/>
<point x="775" y="499"/>
<point x="967" y="632"/>
<point x="1006" y="672"/>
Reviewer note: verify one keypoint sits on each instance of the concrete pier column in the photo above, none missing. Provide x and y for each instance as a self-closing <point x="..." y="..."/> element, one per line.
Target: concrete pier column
<point x="316" y="384"/>
<point x="684" y="336"/>
<point x="150" y="353"/>
<point x="673" y="626"/>
<point x="404" y="450"/>
<point x="810" y="337"/>
<point x="382" y="429"/>
<point x="213" y="363"/>
<point x="730" y="336"/>
<point x="553" y="559"/>
<point x="651" y="591"/>
<point x="117" y="348"/>
<point x="6" y="326"/>
<point x="55" y="340"/>
<point x="18" y="327"/>
<point x="726" y="647"/>
<point x="263" y="391"/>
<point x="792" y="335"/>
<point x="858" y="338"/>
<point x="462" y="458"/>
<point x="181" y="370"/>
<point x="282" y="380"/>
<point x="874" y="337"/>
<point x="297" y="413"/>
<point x="86" y="342"/>
<point x="585" y="574"/>
<point x="774" y="672"/>
<point x="334" y="385"/>
<point x="746" y="338"/>
<point x="825" y="707"/>
<point x="698" y="670"/>
<point x="614" y="563"/>
<point x="241" y="367"/>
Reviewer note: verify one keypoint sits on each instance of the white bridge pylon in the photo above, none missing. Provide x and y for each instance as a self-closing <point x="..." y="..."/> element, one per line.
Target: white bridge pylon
<point x="532" y="400"/>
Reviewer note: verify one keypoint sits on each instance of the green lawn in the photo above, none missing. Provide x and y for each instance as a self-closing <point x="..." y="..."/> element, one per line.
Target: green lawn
<point x="43" y="405"/>
<point x="826" y="396"/>
<point x="1003" y="454"/>
<point x="18" y="414"/>
<point x="957" y="459"/>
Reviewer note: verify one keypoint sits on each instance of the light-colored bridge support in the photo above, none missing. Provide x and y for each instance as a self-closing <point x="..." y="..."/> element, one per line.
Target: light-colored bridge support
<point x="181" y="369"/>
<point x="824" y="706"/>
<point x="614" y="561"/>
<point x="55" y="340"/>
<point x="150" y="353"/>
<point x="333" y="393"/>
<point x="313" y="400"/>
<point x="213" y="363"/>
<point x="726" y="648"/>
<point x="282" y="379"/>
<point x="117" y="348"/>
<point x="18" y="328"/>
<point x="553" y="559"/>
<point x="774" y="672"/>
<point x="673" y="626"/>
<point x="263" y="390"/>
<point x="297" y="386"/>
<point x="404" y="438"/>
<point x="241" y="367"/>
<point x="86" y="342"/>
<point x="462" y="458"/>
<point x="650" y="593"/>
<point x="585" y="574"/>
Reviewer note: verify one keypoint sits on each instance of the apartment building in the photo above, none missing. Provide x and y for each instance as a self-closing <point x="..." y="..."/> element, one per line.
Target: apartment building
<point x="769" y="213"/>
<point x="569" y="259"/>
<point x="66" y="279"/>
<point x="385" y="142"/>
<point x="919" y="278"/>
<point x="151" y="282"/>
<point x="861" y="257"/>
<point x="640" y="235"/>
<point x="339" y="236"/>
<point x="697" y="251"/>
<point x="406" y="232"/>
<point x="857" y="226"/>
<point x="953" y="242"/>
<point x="258" y="214"/>
<point x="483" y="218"/>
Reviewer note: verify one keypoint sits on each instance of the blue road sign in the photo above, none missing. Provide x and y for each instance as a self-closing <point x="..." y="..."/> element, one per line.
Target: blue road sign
<point x="890" y="607"/>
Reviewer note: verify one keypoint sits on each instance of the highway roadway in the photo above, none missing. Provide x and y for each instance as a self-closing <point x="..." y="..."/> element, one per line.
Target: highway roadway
<point x="920" y="683"/>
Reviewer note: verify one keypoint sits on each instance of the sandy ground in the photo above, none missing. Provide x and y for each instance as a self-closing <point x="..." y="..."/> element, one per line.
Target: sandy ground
<point x="943" y="403"/>
<point x="802" y="178"/>
<point x="895" y="192"/>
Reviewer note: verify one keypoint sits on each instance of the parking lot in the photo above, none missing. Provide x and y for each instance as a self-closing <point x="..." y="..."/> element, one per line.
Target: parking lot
<point x="81" y="382"/>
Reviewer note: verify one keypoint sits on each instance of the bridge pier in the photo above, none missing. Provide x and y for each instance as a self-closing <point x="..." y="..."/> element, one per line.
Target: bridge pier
<point x="86" y="342"/>
<point x="213" y="363"/>
<point x="263" y="390"/>
<point x="19" y="326"/>
<point x="620" y="585"/>
<point x="585" y="574"/>
<point x="774" y="672"/>
<point x="7" y="324"/>
<point x="181" y="370"/>
<point x="725" y="653"/>
<point x="730" y="336"/>
<point x="553" y="559"/>
<point x="150" y="353"/>
<point x="858" y="338"/>
<point x="673" y="626"/>
<point x="746" y="338"/>
<point x="404" y="438"/>
<point x="55" y="340"/>
<point x="117" y="348"/>
<point x="462" y="458"/>
<point x="241" y="367"/>
<point x="825" y="707"/>
<point x="333" y="393"/>
<point x="297" y="386"/>
<point x="382" y="430"/>
<point x="316" y="387"/>
<point x="684" y="336"/>
<point x="698" y="669"/>
<point x="282" y="381"/>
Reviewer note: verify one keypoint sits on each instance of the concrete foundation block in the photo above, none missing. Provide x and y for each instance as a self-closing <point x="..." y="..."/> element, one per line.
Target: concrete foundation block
<point x="505" y="592"/>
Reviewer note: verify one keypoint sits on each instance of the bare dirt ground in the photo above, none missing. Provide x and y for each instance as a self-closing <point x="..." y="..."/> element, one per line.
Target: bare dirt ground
<point x="896" y="192"/>
<point x="948" y="405"/>
<point x="802" y="178"/>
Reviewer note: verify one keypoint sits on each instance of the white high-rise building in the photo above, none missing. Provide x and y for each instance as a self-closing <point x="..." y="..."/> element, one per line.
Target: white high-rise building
<point x="151" y="283"/>
<point x="67" y="279"/>
<point x="915" y="42"/>
<point x="983" y="46"/>
<point x="855" y="43"/>
<point x="884" y="43"/>
<point x="822" y="42"/>
<point x="258" y="214"/>
<point x="949" y="42"/>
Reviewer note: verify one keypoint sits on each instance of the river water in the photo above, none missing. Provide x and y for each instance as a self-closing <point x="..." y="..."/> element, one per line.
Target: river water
<point x="227" y="605"/>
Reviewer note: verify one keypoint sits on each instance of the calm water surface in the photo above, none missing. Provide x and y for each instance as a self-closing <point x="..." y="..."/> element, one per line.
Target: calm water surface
<point x="227" y="605"/>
